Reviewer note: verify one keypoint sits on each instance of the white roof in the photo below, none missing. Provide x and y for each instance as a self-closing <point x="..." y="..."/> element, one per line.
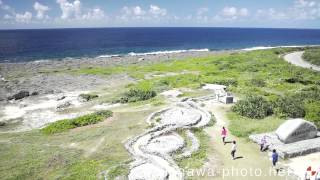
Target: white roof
<point x="214" y="87"/>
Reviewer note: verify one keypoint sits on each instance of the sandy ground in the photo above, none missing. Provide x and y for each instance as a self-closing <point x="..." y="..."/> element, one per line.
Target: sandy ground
<point x="296" y="59"/>
<point x="252" y="164"/>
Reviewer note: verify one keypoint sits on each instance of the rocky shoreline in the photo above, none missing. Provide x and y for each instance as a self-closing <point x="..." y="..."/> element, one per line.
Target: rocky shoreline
<point x="30" y="91"/>
<point x="33" y="77"/>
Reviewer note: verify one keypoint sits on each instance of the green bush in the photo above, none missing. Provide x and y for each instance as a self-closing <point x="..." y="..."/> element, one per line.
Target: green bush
<point x="298" y="79"/>
<point x="289" y="107"/>
<point x="137" y="94"/>
<point x="312" y="55"/>
<point x="253" y="107"/>
<point x="64" y="125"/>
<point x="226" y="82"/>
<point x="309" y="94"/>
<point x="257" y="82"/>
<point x="59" y="126"/>
<point x="313" y="112"/>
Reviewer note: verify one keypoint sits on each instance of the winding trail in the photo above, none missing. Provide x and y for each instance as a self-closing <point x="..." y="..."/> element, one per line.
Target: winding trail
<point x="153" y="150"/>
<point x="296" y="59"/>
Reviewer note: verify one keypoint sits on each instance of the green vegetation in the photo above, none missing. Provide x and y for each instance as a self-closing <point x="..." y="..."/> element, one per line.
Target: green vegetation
<point x="289" y="106"/>
<point x="66" y="124"/>
<point x="243" y="127"/>
<point x="313" y="112"/>
<point x="257" y="73"/>
<point x="75" y="154"/>
<point x="253" y="107"/>
<point x="140" y="93"/>
<point x="197" y="159"/>
<point x="84" y="153"/>
<point x="88" y="97"/>
<point x="257" y="82"/>
<point x="312" y="55"/>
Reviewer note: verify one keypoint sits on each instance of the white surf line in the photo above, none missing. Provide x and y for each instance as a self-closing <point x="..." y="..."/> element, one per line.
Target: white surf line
<point x="296" y="59"/>
<point x="153" y="149"/>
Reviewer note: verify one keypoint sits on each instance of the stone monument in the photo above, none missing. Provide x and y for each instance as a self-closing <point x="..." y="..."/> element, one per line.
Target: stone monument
<point x="296" y="130"/>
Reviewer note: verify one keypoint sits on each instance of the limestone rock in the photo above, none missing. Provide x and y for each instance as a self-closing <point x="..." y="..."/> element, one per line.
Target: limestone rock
<point x="35" y="93"/>
<point x="60" y="97"/>
<point x="296" y="130"/>
<point x="19" y="95"/>
<point x="63" y="105"/>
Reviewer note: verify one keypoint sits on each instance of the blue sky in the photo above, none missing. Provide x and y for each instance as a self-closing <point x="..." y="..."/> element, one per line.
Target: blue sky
<point x="15" y="14"/>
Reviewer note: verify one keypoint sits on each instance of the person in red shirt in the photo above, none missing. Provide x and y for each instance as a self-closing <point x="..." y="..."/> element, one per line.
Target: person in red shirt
<point x="224" y="135"/>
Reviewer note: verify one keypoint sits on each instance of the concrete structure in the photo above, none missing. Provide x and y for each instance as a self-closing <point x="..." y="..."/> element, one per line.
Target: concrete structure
<point x="220" y="92"/>
<point x="293" y="138"/>
<point x="296" y="130"/>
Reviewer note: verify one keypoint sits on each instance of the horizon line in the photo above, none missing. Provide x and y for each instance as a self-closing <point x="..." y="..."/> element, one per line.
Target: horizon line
<point x="129" y="27"/>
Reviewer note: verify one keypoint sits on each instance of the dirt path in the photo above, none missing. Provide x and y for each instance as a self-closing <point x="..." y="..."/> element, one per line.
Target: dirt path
<point x="296" y="59"/>
<point x="253" y="164"/>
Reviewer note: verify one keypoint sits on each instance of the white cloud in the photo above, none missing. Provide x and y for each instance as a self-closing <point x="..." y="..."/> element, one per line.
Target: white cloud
<point x="305" y="10"/>
<point x="40" y="9"/>
<point x="24" y="18"/>
<point x="271" y="14"/>
<point x="138" y="13"/>
<point x="243" y="12"/>
<point x="202" y="11"/>
<point x="299" y="10"/>
<point x="7" y="17"/>
<point x="73" y="10"/>
<point x="70" y="10"/>
<point x="229" y="11"/>
<point x="157" y="11"/>
<point x="133" y="11"/>
<point x="201" y="15"/>
<point x="94" y="14"/>
<point x="232" y="13"/>
<point x="6" y="8"/>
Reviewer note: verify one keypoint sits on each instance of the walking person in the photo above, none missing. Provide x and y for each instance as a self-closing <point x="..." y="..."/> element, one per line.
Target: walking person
<point x="275" y="157"/>
<point x="224" y="135"/>
<point x="263" y="143"/>
<point x="233" y="150"/>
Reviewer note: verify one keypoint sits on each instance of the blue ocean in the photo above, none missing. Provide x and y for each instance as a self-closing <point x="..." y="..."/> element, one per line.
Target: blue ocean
<point x="30" y="45"/>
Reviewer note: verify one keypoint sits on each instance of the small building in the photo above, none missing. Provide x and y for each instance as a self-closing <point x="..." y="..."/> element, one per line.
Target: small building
<point x="220" y="92"/>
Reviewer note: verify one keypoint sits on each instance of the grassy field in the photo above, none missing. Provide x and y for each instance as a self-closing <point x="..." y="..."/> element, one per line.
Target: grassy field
<point x="312" y="55"/>
<point x="262" y="73"/>
<point x="80" y="153"/>
<point x="84" y="152"/>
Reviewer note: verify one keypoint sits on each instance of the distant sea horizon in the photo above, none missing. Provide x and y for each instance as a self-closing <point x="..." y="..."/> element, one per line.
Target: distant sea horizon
<point x="23" y="45"/>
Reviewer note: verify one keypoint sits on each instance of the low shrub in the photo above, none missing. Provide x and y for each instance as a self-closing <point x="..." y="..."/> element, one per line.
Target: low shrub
<point x="226" y="82"/>
<point x="290" y="106"/>
<point x="137" y="94"/>
<point x="313" y="113"/>
<point x="312" y="55"/>
<point x="309" y="94"/>
<point x="297" y="79"/>
<point x="253" y="106"/>
<point x="257" y="82"/>
<point x="66" y="124"/>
